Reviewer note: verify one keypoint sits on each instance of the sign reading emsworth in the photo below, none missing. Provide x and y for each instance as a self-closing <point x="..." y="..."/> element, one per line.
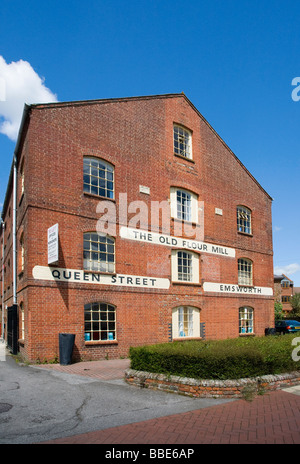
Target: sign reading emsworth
<point x="84" y="277"/>
<point x="176" y="242"/>
<point x="238" y="289"/>
<point x="53" y="244"/>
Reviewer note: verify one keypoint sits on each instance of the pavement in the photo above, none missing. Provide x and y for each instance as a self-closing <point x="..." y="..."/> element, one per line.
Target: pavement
<point x="272" y="418"/>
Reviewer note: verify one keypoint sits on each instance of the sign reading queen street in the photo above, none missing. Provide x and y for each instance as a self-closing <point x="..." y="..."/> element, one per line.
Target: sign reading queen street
<point x="84" y="277"/>
<point x="175" y="242"/>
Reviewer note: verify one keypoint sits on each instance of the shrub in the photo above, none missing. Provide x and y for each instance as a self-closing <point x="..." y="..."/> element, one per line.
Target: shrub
<point x="222" y="359"/>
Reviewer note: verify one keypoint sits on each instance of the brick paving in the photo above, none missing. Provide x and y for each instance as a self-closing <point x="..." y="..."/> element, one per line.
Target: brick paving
<point x="101" y="370"/>
<point x="273" y="418"/>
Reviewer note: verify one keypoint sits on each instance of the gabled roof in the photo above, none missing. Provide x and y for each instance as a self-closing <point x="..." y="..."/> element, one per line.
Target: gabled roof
<point x="27" y="109"/>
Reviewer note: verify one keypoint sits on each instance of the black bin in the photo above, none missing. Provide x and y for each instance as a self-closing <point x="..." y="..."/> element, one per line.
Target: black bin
<point x="66" y="344"/>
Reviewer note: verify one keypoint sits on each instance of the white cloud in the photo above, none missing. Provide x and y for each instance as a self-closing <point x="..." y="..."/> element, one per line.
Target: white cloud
<point x="20" y="84"/>
<point x="287" y="270"/>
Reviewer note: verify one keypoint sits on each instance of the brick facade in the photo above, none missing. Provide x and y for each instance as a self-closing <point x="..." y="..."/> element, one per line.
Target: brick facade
<point x="135" y="136"/>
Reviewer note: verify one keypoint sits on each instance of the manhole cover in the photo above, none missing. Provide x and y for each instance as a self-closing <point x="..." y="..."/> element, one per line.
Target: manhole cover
<point x="4" y="407"/>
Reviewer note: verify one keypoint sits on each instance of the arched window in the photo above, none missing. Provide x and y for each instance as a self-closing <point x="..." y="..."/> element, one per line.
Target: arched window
<point x="243" y="220"/>
<point x="99" y="322"/>
<point x="245" y="272"/>
<point x="98" y="177"/>
<point x="98" y="252"/>
<point x="246" y="320"/>
<point x="185" y="322"/>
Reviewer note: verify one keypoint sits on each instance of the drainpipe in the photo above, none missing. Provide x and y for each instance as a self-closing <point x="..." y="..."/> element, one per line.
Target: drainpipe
<point x="2" y="325"/>
<point x="15" y="230"/>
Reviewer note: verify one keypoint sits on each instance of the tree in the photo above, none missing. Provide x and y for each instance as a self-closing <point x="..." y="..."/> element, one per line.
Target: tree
<point x="278" y="310"/>
<point x="295" y="303"/>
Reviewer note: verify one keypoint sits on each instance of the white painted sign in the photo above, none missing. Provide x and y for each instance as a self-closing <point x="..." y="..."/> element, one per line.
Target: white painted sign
<point x="144" y="189"/>
<point x="237" y="289"/>
<point x="175" y="242"/>
<point x="88" y="277"/>
<point x="53" y="244"/>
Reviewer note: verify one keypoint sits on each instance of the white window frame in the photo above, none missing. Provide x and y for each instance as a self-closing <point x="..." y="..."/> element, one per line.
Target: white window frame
<point x="102" y="247"/>
<point x="246" y="320"/>
<point x="174" y="191"/>
<point x="244" y="217"/>
<point x="100" y="325"/>
<point x="245" y="272"/>
<point x="182" y="141"/>
<point x="98" y="177"/>
<point x="189" y="330"/>
<point x="194" y="257"/>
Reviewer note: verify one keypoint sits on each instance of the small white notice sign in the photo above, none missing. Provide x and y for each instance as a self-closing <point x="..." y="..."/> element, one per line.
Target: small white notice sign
<point x="53" y="244"/>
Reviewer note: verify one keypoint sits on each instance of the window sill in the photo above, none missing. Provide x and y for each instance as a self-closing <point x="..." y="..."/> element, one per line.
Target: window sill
<point x="244" y="234"/>
<point x="89" y="271"/>
<point x="98" y="197"/>
<point x="189" y="223"/>
<point x="101" y="342"/>
<point x="191" y="284"/>
<point x="184" y="158"/>
<point x="247" y="335"/>
<point x="183" y="339"/>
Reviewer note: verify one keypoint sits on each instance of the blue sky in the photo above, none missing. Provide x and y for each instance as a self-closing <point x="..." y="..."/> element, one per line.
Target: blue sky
<point x="235" y="60"/>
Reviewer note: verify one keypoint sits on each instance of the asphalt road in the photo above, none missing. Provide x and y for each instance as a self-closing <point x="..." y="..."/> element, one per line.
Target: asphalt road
<point x="38" y="404"/>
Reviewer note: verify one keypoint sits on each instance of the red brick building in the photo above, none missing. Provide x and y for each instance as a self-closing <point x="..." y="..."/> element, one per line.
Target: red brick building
<point x="135" y="277"/>
<point x="284" y="291"/>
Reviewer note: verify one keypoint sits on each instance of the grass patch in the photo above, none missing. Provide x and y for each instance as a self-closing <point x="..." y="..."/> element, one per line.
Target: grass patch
<point x="218" y="359"/>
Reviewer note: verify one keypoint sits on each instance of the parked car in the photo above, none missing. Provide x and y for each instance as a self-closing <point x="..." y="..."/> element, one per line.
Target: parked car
<point x="287" y="326"/>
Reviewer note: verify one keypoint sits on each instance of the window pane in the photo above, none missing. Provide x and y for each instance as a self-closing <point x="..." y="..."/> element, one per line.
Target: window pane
<point x="245" y="320"/>
<point x="182" y="142"/>
<point x="98" y="177"/>
<point x="98" y="252"/>
<point x="243" y="220"/>
<point x="100" y="328"/>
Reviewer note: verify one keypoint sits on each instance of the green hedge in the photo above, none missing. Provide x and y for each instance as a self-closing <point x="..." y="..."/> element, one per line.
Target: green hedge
<point x="222" y="359"/>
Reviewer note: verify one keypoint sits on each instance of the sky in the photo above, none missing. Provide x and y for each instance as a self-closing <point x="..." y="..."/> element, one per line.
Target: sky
<point x="238" y="61"/>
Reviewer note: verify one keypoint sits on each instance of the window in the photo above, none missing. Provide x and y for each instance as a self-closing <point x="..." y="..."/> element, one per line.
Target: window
<point x="285" y="284"/>
<point x="245" y="272"/>
<point x="98" y="252"/>
<point x="22" y="263"/>
<point x="182" y="142"/>
<point x="99" y="322"/>
<point x="185" y="266"/>
<point x="243" y="219"/>
<point x="184" y="205"/>
<point x="98" y="177"/>
<point x="245" y="320"/>
<point x="185" y="322"/>
<point x="286" y="299"/>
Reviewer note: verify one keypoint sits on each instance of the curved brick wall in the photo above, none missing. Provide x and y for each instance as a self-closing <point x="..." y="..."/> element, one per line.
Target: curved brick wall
<point x="211" y="388"/>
